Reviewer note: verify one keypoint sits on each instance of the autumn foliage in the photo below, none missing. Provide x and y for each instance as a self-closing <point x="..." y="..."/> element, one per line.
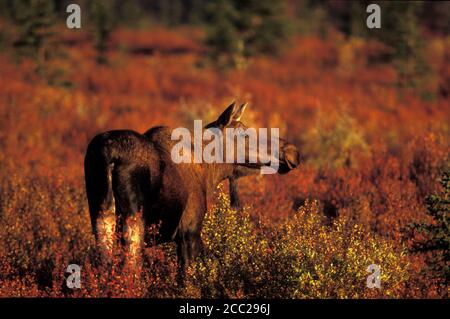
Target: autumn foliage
<point x="372" y="151"/>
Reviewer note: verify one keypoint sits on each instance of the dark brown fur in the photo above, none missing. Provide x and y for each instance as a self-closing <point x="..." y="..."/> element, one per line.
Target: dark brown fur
<point x="131" y="182"/>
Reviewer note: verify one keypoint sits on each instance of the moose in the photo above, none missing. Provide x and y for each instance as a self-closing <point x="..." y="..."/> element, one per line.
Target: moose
<point x="132" y="182"/>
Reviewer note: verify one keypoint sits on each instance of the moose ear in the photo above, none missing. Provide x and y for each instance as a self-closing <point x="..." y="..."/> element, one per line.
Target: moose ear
<point x="227" y="116"/>
<point x="238" y="113"/>
<point x="232" y="113"/>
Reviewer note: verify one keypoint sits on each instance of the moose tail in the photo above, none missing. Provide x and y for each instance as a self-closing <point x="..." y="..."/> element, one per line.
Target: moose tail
<point x="98" y="167"/>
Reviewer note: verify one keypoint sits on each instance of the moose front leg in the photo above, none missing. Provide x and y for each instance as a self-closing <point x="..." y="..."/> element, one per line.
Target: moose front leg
<point x="189" y="247"/>
<point x="188" y="239"/>
<point x="234" y="196"/>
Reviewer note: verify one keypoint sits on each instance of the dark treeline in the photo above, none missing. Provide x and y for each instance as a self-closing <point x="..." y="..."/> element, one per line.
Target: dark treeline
<point x="237" y="29"/>
<point x="343" y="15"/>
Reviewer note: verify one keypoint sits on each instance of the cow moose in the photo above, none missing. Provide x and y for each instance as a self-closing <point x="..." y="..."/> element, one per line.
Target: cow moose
<point x="132" y="182"/>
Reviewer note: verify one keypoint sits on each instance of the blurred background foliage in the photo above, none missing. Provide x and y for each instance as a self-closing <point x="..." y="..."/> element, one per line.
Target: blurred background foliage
<point x="368" y="110"/>
<point x="239" y="29"/>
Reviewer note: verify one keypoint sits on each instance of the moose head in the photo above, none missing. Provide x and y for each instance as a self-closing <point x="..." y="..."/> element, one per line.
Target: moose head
<point x="252" y="151"/>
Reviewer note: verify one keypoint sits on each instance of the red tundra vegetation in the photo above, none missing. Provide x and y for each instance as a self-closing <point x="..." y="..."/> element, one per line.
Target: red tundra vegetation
<point x="372" y="151"/>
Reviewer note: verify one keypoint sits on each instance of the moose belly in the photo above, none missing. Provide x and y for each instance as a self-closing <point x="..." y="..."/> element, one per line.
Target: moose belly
<point x="161" y="223"/>
<point x="164" y="214"/>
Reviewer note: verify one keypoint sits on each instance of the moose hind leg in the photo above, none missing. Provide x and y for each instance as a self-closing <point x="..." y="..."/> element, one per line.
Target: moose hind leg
<point x="133" y="235"/>
<point x="105" y="229"/>
<point x="105" y="234"/>
<point x="130" y="184"/>
<point x="103" y="212"/>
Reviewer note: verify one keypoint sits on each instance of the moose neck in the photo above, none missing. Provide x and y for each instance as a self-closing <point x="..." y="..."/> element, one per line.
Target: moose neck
<point x="215" y="173"/>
